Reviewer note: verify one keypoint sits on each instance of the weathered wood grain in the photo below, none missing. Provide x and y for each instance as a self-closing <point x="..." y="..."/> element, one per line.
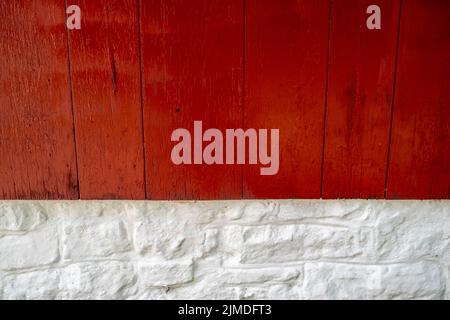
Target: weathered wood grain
<point x="359" y="103"/>
<point x="105" y="73"/>
<point x="285" y="79"/>
<point x="192" y="53"/>
<point x="419" y="165"/>
<point x="36" y="129"/>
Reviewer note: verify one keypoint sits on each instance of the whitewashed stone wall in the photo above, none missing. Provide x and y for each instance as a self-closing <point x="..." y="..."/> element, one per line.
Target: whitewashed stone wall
<point x="225" y="250"/>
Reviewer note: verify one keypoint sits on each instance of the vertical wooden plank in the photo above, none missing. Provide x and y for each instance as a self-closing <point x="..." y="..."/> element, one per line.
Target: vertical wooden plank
<point x="420" y="147"/>
<point x="360" y="93"/>
<point x="285" y="80"/>
<point x="104" y="56"/>
<point x="36" y="127"/>
<point x="192" y="53"/>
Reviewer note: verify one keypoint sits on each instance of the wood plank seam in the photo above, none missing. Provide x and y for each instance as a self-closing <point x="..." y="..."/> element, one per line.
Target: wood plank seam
<point x="326" y="95"/>
<point x="142" y="97"/>
<point x="71" y="101"/>
<point x="244" y="39"/>
<point x="393" y="101"/>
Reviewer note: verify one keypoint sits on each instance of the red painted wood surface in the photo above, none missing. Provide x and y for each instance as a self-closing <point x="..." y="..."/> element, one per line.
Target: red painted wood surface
<point x="285" y="77"/>
<point x="36" y="128"/>
<point x="89" y="113"/>
<point x="192" y="53"/>
<point x="359" y="103"/>
<point x="105" y="70"/>
<point x="419" y="165"/>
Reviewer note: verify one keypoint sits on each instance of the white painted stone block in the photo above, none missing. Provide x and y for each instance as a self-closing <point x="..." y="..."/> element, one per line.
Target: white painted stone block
<point x="413" y="230"/>
<point x="34" y="285"/>
<point x="34" y="249"/>
<point x="164" y="274"/>
<point x="98" y="280"/>
<point x="174" y="231"/>
<point x="286" y="243"/>
<point x="353" y="281"/>
<point x="94" y="238"/>
<point x="21" y="216"/>
<point x="260" y="275"/>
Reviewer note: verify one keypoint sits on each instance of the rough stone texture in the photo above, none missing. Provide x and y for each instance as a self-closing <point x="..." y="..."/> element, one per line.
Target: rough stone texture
<point x="94" y="238"/>
<point x="420" y="230"/>
<point x="41" y="284"/>
<point x="284" y="243"/>
<point x="305" y="249"/>
<point x="352" y="281"/>
<point x="30" y="250"/>
<point x="165" y="274"/>
<point x="100" y="280"/>
<point x="259" y="275"/>
<point x="447" y="273"/>
<point x="20" y="216"/>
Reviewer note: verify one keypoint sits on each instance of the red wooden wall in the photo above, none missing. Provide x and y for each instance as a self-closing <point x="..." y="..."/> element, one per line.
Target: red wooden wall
<point x="88" y="114"/>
